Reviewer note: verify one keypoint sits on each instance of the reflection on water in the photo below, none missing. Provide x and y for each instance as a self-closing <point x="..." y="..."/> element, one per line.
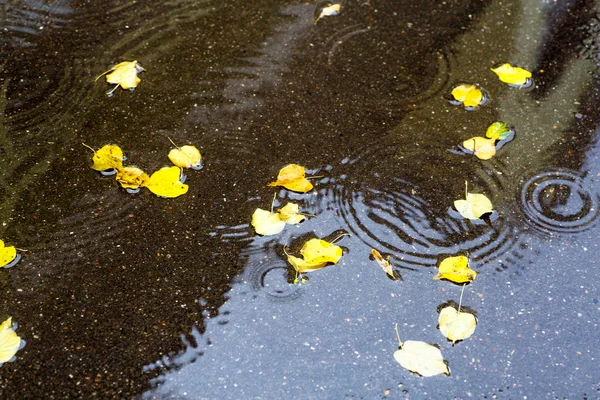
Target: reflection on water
<point x="358" y="99"/>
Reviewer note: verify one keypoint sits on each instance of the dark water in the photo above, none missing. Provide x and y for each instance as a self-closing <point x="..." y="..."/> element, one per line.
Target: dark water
<point x="122" y="296"/>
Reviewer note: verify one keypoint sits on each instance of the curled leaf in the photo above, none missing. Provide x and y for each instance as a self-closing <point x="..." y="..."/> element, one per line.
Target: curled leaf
<point x="455" y="269"/>
<point x="186" y="157"/>
<point x="167" y="182"/>
<point x="498" y="131"/>
<point x="421" y="358"/>
<point x="474" y="206"/>
<point x="326" y="9"/>
<point x="8" y="256"/>
<point x="293" y="177"/>
<point x="483" y="148"/>
<point x="468" y="95"/>
<point x="385" y="265"/>
<point x="10" y="342"/>
<point x="132" y="177"/>
<point x="512" y="75"/>
<point x="124" y="74"/>
<point x="456" y="325"/>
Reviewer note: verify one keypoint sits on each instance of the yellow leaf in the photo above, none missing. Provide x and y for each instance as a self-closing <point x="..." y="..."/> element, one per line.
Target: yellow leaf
<point x="469" y="95"/>
<point x="124" y="74"/>
<point x="319" y="251"/>
<point x="474" y="206"/>
<point x="483" y="148"/>
<point x="456" y="325"/>
<point x="302" y="266"/>
<point x="132" y="177"/>
<point x="289" y="213"/>
<point x="186" y="157"/>
<point x="326" y="10"/>
<point x="455" y="269"/>
<point x="292" y="177"/>
<point x="107" y="158"/>
<point x="167" y="182"/>
<point x="512" y="75"/>
<point x="266" y="223"/>
<point x="10" y="342"/>
<point x="8" y="256"/>
<point x="498" y="131"/>
<point x="421" y="358"/>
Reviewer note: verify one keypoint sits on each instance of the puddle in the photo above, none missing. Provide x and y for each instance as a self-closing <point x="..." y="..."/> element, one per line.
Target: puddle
<point x="123" y="295"/>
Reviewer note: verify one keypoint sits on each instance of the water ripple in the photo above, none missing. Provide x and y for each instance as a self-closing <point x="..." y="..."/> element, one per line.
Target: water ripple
<point x="558" y="201"/>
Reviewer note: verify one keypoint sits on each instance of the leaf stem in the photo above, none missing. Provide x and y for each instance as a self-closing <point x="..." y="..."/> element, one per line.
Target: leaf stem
<point x="461" y="296"/>
<point x="89" y="147"/>
<point x="173" y="143"/>
<point x="398" y="335"/>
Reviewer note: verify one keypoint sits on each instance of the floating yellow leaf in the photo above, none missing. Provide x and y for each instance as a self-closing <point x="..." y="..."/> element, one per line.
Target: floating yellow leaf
<point x="455" y="269"/>
<point x="266" y="223"/>
<point x="456" y="325"/>
<point x="293" y="177"/>
<point x="512" y="75"/>
<point x="316" y="253"/>
<point x="327" y="9"/>
<point x="319" y="251"/>
<point x="290" y="214"/>
<point x="385" y="265"/>
<point x="302" y="266"/>
<point x="132" y="178"/>
<point x="474" y="206"/>
<point x="109" y="157"/>
<point x="124" y="74"/>
<point x="421" y="358"/>
<point x="469" y="95"/>
<point x="498" y="131"/>
<point x="186" y="157"/>
<point x="483" y="148"/>
<point x="8" y="256"/>
<point x="10" y="342"/>
<point x="167" y="182"/>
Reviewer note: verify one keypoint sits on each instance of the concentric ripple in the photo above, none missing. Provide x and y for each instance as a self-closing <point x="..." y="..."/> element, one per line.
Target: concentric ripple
<point x="410" y="215"/>
<point x="558" y="201"/>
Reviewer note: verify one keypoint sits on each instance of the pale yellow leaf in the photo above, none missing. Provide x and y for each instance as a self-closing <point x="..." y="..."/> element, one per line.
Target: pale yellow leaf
<point x="456" y="325"/>
<point x="266" y="223"/>
<point x="10" y="342"/>
<point x="421" y="358"/>
<point x="186" y="157"/>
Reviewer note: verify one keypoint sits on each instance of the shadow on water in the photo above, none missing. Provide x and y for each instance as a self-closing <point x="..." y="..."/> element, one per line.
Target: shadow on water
<point x="121" y="295"/>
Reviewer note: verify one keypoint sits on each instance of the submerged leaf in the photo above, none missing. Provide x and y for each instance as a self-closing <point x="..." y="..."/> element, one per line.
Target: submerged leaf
<point x="186" y="157"/>
<point x="498" y="131"/>
<point x="421" y="358"/>
<point x="474" y="206"/>
<point x="124" y="74"/>
<point x="469" y="95"/>
<point x="326" y="10"/>
<point x="512" y="75"/>
<point x="293" y="177"/>
<point x="455" y="269"/>
<point x="483" y="148"/>
<point x="132" y="177"/>
<point x="456" y="325"/>
<point x="107" y="158"/>
<point x="10" y="342"/>
<point x="302" y="266"/>
<point x="7" y="255"/>
<point x="167" y="182"/>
